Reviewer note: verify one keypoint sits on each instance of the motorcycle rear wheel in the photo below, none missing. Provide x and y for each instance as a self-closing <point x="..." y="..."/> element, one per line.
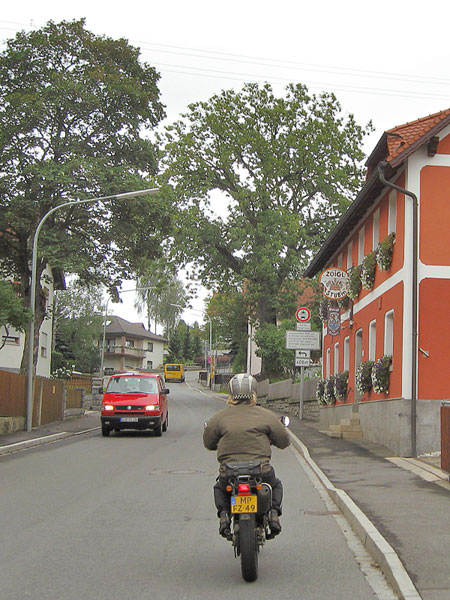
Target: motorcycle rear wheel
<point x="248" y="547"/>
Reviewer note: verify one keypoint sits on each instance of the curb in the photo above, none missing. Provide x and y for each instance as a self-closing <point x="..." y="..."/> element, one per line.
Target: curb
<point x="47" y="439"/>
<point x="371" y="538"/>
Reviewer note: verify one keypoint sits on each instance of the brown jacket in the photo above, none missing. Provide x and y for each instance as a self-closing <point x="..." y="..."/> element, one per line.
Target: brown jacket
<point x="244" y="432"/>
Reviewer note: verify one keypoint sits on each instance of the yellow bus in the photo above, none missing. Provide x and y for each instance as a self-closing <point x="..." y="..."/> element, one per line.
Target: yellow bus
<point x="174" y="372"/>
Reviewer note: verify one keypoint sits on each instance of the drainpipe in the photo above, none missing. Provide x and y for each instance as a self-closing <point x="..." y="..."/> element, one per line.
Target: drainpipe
<point x="381" y="168"/>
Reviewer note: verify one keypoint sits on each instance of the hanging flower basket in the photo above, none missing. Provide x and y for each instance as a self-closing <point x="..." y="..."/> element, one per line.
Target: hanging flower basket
<point x="385" y="251"/>
<point x="323" y="310"/>
<point x="368" y="268"/>
<point x="344" y="303"/>
<point x="328" y="394"/>
<point x="354" y="287"/>
<point x="320" y="391"/>
<point x="364" y="376"/>
<point x="340" y="385"/>
<point x="380" y="374"/>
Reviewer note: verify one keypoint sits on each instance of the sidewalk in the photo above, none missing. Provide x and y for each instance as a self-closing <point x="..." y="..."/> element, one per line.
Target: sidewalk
<point x="411" y="510"/>
<point x="406" y="500"/>
<point x="75" y="425"/>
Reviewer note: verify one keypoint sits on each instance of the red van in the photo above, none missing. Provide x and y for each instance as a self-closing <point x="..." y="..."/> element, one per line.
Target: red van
<point x="135" y="401"/>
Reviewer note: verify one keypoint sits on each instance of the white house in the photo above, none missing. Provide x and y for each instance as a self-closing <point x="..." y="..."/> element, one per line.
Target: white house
<point x="12" y="351"/>
<point x="129" y="346"/>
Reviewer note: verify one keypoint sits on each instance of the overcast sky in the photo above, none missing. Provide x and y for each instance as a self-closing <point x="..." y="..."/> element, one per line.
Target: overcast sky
<point x="386" y="61"/>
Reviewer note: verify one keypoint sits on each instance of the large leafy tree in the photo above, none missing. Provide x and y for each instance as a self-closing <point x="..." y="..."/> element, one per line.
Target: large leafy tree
<point x="75" y="112"/>
<point x="286" y="168"/>
<point x="78" y="319"/>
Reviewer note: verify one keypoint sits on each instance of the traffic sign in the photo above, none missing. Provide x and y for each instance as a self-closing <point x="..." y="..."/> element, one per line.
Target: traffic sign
<point x="303" y="354"/>
<point x="302" y="362"/>
<point x="303" y="326"/>
<point x="302" y="340"/>
<point x="303" y="314"/>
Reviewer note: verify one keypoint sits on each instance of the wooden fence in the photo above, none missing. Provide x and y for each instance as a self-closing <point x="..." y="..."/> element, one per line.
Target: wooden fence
<point x="80" y="381"/>
<point x="48" y="398"/>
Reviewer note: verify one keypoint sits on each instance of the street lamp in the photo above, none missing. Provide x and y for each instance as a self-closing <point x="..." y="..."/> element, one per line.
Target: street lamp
<point x="104" y="322"/>
<point x="33" y="284"/>
<point x="203" y="312"/>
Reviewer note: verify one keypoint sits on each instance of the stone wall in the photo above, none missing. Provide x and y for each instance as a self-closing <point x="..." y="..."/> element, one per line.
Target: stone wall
<point x="284" y="396"/>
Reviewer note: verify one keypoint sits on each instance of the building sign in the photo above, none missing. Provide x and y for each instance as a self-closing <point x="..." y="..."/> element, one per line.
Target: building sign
<point x="302" y="340"/>
<point x="334" y="320"/>
<point x="335" y="283"/>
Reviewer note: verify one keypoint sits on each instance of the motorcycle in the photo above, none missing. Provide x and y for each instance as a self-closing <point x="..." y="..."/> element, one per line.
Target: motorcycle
<point x="250" y="502"/>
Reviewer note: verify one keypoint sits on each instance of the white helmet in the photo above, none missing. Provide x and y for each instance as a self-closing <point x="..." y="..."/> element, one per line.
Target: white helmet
<point x="242" y="386"/>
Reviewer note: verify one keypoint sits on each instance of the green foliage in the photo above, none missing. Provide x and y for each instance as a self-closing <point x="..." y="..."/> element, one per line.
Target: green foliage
<point x="12" y="311"/>
<point x="368" y="269"/>
<point x="271" y="341"/>
<point x="381" y="373"/>
<point x="75" y="114"/>
<point x="364" y="376"/>
<point x="385" y="251"/>
<point x="185" y="344"/>
<point x="78" y="326"/>
<point x="354" y="287"/>
<point x="286" y="168"/>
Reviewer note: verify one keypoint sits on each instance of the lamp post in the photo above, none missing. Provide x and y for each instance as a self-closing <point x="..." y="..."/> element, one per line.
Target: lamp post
<point x="203" y="312"/>
<point x="104" y="322"/>
<point x="33" y="284"/>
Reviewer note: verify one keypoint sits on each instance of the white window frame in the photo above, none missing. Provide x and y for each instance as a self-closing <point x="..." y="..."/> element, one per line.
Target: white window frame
<point x="361" y="237"/>
<point x="350" y="255"/>
<point x="336" y="358"/>
<point x="346" y="353"/>
<point x="376" y="229"/>
<point x="392" y="212"/>
<point x="328" y="363"/>
<point x="372" y="339"/>
<point x="389" y="332"/>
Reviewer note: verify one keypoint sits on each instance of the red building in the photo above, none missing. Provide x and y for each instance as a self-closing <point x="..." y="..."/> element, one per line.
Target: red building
<point x="402" y="308"/>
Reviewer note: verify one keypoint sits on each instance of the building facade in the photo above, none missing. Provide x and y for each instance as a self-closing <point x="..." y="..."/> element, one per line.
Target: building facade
<point x="130" y="347"/>
<point x="394" y="244"/>
<point x="12" y="352"/>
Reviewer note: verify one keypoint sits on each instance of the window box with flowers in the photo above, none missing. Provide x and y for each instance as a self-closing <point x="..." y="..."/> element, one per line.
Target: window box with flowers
<point x="340" y="385"/>
<point x="380" y="374"/>
<point x="368" y="268"/>
<point x="364" y="377"/>
<point x="385" y="251"/>
<point x="323" y="310"/>
<point x="320" y="389"/>
<point x="354" y="286"/>
<point x="328" y="393"/>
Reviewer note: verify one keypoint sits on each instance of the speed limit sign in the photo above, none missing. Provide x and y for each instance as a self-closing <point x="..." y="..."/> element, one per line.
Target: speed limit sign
<point x="303" y="314"/>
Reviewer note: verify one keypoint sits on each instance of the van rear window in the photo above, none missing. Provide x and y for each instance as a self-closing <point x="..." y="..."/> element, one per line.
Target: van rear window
<point x="173" y="368"/>
<point x="128" y="385"/>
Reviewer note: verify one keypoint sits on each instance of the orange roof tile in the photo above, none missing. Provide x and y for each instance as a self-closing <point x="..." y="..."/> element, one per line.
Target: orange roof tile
<point x="404" y="136"/>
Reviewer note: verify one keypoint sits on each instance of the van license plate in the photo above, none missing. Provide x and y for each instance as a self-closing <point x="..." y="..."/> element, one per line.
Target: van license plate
<point x="129" y="419"/>
<point x="244" y="504"/>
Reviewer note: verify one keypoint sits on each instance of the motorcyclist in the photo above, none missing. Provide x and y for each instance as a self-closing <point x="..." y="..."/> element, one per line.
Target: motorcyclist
<point x="244" y="431"/>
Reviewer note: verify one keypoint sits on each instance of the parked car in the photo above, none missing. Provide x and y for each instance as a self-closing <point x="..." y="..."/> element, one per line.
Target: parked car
<point x="135" y="401"/>
<point x="174" y="372"/>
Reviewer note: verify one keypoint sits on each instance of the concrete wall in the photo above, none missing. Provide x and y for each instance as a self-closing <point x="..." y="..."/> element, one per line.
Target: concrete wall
<point x="284" y="396"/>
<point x="388" y="422"/>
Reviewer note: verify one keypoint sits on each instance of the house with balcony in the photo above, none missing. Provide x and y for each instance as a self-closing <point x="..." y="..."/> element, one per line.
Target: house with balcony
<point x="131" y="347"/>
<point x="386" y="346"/>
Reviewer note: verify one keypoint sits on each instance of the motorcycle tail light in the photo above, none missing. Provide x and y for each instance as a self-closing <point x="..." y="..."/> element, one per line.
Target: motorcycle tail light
<point x="229" y="488"/>
<point x="244" y="488"/>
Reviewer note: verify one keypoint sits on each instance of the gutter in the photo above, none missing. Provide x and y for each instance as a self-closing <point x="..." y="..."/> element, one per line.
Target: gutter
<point x="414" y="338"/>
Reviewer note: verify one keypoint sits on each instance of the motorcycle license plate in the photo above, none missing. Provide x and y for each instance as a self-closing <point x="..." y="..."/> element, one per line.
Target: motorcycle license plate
<point x="129" y="419"/>
<point x="244" y="504"/>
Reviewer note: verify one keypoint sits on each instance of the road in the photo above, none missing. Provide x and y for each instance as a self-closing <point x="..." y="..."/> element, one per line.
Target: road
<point x="132" y="516"/>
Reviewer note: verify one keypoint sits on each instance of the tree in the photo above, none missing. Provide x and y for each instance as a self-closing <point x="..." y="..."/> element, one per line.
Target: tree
<point x="271" y="341"/>
<point x="166" y="290"/>
<point x="286" y="167"/>
<point x="78" y="319"/>
<point x="12" y="312"/>
<point x="75" y="114"/>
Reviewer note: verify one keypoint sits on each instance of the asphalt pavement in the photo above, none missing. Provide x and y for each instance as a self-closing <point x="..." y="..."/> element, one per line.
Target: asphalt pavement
<point x="398" y="507"/>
